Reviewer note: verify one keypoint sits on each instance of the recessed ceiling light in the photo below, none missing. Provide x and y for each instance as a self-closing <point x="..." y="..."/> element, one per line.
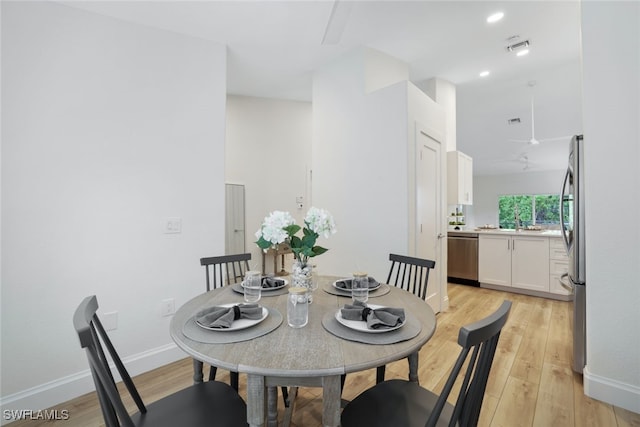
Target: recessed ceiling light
<point x="522" y="52"/>
<point x="484" y="73"/>
<point x="495" y="17"/>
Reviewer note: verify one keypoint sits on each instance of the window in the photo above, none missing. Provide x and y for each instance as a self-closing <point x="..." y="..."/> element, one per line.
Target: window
<point x="539" y="209"/>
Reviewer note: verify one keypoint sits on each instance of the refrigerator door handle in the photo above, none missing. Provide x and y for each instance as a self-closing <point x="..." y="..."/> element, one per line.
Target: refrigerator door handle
<point x="566" y="283"/>
<point x="564" y="230"/>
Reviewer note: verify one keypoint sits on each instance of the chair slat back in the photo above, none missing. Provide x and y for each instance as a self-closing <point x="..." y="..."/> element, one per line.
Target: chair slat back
<point x="479" y="342"/>
<point x="92" y="338"/>
<point x="410" y="274"/>
<point x="226" y="269"/>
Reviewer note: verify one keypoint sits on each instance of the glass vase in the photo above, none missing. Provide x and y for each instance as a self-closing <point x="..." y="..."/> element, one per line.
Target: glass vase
<point x="302" y="276"/>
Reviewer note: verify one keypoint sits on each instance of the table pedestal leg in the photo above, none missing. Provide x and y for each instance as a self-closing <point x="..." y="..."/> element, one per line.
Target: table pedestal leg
<point x="256" y="400"/>
<point x="272" y="406"/>
<point x="331" y="391"/>
<point x="413" y="367"/>
<point x="198" y="367"/>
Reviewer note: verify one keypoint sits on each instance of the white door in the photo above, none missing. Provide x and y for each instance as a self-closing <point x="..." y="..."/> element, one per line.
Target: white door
<point x="429" y="211"/>
<point x="234" y="219"/>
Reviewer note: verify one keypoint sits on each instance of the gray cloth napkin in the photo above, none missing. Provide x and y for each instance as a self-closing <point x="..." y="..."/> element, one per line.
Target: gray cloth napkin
<point x="346" y="283"/>
<point x="380" y="318"/>
<point x="223" y="317"/>
<point x="271" y="282"/>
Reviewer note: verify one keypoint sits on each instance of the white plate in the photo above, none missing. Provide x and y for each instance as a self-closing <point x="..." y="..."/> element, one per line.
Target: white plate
<point x="349" y="290"/>
<point x="238" y="324"/>
<point x="361" y="325"/>
<point x="275" y="288"/>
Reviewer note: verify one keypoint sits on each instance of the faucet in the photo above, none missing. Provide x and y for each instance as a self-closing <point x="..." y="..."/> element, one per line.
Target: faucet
<point x="517" y="218"/>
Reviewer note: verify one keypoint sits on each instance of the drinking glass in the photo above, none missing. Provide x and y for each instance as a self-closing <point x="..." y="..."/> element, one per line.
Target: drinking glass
<point x="252" y="286"/>
<point x="297" y="307"/>
<point x="360" y="287"/>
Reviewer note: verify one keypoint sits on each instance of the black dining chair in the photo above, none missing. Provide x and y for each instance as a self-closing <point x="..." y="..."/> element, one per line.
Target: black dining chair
<point x="229" y="267"/>
<point x="406" y="404"/>
<point x="198" y="405"/>
<point x="412" y="275"/>
<point x="220" y="271"/>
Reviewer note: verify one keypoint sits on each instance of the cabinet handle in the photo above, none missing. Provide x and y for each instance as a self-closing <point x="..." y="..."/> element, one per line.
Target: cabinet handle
<point x="508" y="245"/>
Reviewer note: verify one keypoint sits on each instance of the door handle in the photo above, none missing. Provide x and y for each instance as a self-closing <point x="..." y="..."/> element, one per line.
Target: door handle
<point x="440" y="235"/>
<point x="562" y="194"/>
<point x="565" y="284"/>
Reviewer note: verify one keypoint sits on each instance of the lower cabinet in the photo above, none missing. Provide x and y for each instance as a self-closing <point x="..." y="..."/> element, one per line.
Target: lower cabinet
<point x="558" y="265"/>
<point x="530" y="263"/>
<point x="494" y="259"/>
<point x="515" y="261"/>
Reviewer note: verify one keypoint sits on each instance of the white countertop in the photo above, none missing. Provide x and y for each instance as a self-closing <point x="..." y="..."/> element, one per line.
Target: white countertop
<point x="510" y="232"/>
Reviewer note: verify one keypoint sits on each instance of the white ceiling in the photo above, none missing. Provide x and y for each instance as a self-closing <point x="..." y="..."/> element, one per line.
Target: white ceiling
<point x="274" y="46"/>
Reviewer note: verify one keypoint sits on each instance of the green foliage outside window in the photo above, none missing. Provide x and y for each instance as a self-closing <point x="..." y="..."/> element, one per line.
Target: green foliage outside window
<point x="547" y="209"/>
<point x="533" y="210"/>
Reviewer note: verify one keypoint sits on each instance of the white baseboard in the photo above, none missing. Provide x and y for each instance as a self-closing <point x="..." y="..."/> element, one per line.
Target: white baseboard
<point x="66" y="388"/>
<point x="445" y="303"/>
<point x="616" y="393"/>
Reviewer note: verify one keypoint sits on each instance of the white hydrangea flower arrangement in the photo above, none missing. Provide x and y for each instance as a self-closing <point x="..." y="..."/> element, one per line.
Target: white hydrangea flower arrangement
<point x="280" y="227"/>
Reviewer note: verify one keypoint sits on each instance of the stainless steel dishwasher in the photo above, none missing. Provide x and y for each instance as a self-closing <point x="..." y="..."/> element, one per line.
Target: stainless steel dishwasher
<point x="462" y="258"/>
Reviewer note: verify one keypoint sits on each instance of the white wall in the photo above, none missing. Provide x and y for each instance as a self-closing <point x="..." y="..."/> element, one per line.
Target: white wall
<point x="108" y="128"/>
<point x="268" y="150"/>
<point x="359" y="166"/>
<point x="487" y="189"/>
<point x="611" y="112"/>
<point x="362" y="148"/>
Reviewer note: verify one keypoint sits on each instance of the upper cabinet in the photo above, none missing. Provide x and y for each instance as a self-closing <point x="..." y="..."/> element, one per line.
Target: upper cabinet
<point x="459" y="178"/>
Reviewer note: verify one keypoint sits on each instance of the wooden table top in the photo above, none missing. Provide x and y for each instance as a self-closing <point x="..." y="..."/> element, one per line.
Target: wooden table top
<point x="310" y="351"/>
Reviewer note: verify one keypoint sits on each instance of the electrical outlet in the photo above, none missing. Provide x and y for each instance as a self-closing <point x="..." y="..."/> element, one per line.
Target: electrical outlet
<point x="173" y="225"/>
<point x="167" y="307"/>
<point x="109" y="320"/>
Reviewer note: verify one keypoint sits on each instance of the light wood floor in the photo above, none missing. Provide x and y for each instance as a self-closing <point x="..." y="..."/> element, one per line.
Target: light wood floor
<point x="531" y="382"/>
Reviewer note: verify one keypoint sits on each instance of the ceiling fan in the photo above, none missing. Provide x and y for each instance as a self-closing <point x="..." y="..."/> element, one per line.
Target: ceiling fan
<point x="526" y="165"/>
<point x="522" y="159"/>
<point x="533" y="140"/>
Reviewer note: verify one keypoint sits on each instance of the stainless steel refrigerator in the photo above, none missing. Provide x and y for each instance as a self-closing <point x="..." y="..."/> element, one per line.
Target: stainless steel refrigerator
<point x="572" y="220"/>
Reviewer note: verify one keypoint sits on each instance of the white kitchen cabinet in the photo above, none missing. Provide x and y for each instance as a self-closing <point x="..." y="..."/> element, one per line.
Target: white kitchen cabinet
<point x="459" y="178"/>
<point x="494" y="259"/>
<point x="558" y="265"/>
<point x="514" y="261"/>
<point x="530" y="263"/>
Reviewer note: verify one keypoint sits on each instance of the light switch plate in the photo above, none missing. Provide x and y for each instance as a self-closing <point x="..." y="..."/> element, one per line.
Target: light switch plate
<point x="173" y="225"/>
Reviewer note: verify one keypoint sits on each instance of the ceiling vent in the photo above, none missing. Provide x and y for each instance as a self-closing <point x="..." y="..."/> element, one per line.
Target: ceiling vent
<point x="517" y="46"/>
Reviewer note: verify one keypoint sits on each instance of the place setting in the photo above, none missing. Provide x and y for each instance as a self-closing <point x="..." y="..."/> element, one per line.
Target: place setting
<point x="233" y="322"/>
<point x="370" y="323"/>
<point x="344" y="287"/>
<point x="269" y="285"/>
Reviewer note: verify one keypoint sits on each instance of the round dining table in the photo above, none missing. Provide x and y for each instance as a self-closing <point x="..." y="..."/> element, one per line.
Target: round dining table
<point x="273" y="354"/>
